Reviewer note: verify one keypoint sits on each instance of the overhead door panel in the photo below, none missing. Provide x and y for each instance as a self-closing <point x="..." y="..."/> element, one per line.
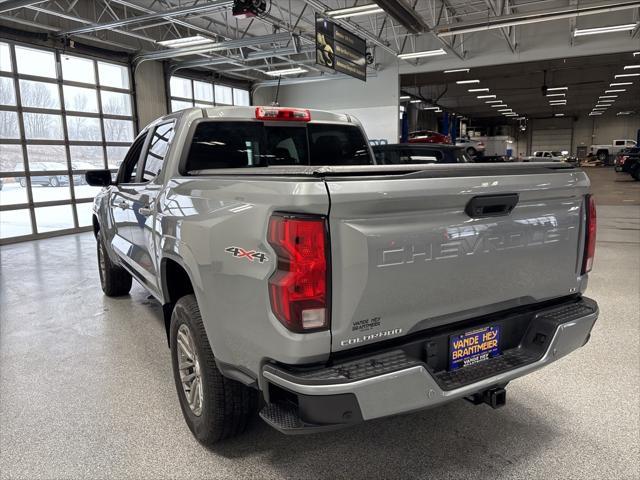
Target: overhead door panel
<point x="551" y="139"/>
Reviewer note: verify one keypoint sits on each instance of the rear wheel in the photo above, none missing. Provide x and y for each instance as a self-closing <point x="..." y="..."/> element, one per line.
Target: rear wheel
<point x="213" y="406"/>
<point x="114" y="280"/>
<point x="471" y="152"/>
<point x="603" y="155"/>
<point x="23" y="182"/>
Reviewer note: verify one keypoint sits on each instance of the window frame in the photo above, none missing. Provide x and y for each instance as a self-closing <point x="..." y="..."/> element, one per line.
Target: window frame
<point x="146" y="147"/>
<point x="74" y="174"/>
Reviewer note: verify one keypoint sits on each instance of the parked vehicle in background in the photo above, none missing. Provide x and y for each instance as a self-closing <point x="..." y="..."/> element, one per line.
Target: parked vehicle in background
<point x="293" y="269"/>
<point x="472" y="147"/>
<point x="428" y="136"/>
<point x="54" y="179"/>
<point x="411" y="153"/>
<point x="546" y="156"/>
<point x="602" y="152"/>
<point x="628" y="154"/>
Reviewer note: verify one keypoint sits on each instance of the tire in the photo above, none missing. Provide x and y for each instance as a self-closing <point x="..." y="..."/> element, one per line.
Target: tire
<point x="23" y="182"/>
<point x="221" y="407"/>
<point x="54" y="182"/>
<point x="603" y="155"/>
<point x="114" y="280"/>
<point x="471" y="152"/>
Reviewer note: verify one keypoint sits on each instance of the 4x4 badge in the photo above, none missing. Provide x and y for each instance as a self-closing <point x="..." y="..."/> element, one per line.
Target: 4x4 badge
<point x="250" y="255"/>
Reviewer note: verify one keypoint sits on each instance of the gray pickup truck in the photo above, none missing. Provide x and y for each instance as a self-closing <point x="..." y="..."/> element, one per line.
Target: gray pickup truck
<point x="299" y="278"/>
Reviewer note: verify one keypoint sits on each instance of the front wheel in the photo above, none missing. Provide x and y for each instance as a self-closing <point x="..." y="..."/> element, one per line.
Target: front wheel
<point x="213" y="406"/>
<point x="114" y="280"/>
<point x="603" y="156"/>
<point x="471" y="152"/>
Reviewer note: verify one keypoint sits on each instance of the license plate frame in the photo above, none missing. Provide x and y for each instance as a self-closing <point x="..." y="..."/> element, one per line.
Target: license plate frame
<point x="474" y="347"/>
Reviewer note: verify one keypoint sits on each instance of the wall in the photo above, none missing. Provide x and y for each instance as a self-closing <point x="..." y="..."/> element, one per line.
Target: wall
<point x="374" y="102"/>
<point x="591" y="130"/>
<point x="151" y="98"/>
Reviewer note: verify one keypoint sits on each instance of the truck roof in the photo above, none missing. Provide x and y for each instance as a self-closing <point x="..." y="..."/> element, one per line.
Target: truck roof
<point x="249" y="113"/>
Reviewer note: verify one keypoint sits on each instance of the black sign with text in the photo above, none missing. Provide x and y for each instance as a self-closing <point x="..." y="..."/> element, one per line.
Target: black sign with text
<point x="340" y="50"/>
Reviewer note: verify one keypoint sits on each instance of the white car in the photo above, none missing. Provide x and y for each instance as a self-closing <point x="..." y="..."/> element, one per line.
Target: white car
<point x="472" y="147"/>
<point x="546" y="156"/>
<point x="602" y="152"/>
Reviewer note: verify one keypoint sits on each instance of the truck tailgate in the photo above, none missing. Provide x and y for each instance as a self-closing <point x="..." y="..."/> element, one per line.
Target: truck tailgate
<point x="406" y="256"/>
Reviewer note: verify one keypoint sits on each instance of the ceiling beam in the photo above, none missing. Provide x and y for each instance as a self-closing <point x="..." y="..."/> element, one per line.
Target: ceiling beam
<point x="547" y="15"/>
<point x="172" y="13"/>
<point x="8" y="5"/>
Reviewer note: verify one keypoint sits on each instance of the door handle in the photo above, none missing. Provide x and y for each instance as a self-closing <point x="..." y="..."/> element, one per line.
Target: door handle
<point x="146" y="211"/>
<point x="491" y="205"/>
<point x="123" y="205"/>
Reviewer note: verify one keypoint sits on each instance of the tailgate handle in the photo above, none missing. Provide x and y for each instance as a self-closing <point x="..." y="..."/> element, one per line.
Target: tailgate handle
<point x="491" y="205"/>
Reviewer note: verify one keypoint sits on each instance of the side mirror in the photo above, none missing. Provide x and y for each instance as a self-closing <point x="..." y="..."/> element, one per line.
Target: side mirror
<point x="98" y="178"/>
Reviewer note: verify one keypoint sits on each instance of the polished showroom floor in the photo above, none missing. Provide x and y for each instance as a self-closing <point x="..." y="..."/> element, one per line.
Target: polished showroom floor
<point x="86" y="389"/>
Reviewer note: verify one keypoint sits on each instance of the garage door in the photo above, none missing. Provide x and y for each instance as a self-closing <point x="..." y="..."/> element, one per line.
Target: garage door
<point x="551" y="139"/>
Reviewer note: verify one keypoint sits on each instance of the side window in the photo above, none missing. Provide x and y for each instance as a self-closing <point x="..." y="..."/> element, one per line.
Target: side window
<point x="129" y="167"/>
<point x="158" y="146"/>
<point x="547" y="154"/>
<point x="538" y="154"/>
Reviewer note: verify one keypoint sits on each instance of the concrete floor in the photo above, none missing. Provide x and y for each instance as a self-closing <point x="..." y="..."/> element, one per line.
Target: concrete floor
<point x="86" y="389"/>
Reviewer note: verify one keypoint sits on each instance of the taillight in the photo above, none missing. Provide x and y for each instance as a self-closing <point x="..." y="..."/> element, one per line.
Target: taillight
<point x="590" y="238"/>
<point x="284" y="114"/>
<point x="298" y="289"/>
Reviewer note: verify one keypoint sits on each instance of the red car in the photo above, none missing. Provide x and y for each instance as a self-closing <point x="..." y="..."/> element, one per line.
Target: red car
<point x="428" y="136"/>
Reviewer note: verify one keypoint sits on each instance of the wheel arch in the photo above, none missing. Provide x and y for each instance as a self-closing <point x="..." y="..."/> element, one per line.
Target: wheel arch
<point x="176" y="282"/>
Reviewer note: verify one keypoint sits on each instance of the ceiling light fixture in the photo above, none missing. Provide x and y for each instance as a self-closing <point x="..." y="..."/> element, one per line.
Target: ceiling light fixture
<point x="558" y="114"/>
<point x="552" y="89"/>
<point x="631" y="67"/>
<point x="500" y="105"/>
<point x="426" y="53"/>
<point x="556" y="94"/>
<point x="608" y="96"/>
<point x="286" y="71"/>
<point x="186" y="41"/>
<point x="473" y="90"/>
<point x="486" y="96"/>
<point x="415" y="101"/>
<point x="610" y="29"/>
<point x="464" y="82"/>
<point x="405" y="97"/>
<point x="457" y="70"/>
<point x="625" y="75"/>
<point x="616" y="90"/>
<point x="506" y="110"/>
<point x="620" y="84"/>
<point x="624" y="113"/>
<point x="493" y="101"/>
<point x="355" y="11"/>
<point x="592" y="114"/>
<point x="430" y="108"/>
<point x="558" y="103"/>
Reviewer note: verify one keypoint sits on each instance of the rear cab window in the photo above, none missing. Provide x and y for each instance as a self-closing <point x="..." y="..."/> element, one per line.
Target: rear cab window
<point x="247" y="144"/>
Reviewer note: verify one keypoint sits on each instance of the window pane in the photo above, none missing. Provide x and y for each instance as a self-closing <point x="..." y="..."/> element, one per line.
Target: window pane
<point x="39" y="155"/>
<point x="158" y="147"/>
<point x="180" y="87"/>
<point x="48" y="187"/>
<point x="11" y="158"/>
<point x="203" y="91"/>
<point x="204" y="105"/>
<point x="115" y="155"/>
<point x="240" y="97"/>
<point x="77" y="69"/>
<point x="9" y="125"/>
<point x="35" y="62"/>
<point x="118" y="130"/>
<point x="12" y="191"/>
<point x="14" y="223"/>
<point x="5" y="58"/>
<point x="84" y="128"/>
<point x="80" y="99"/>
<point x="49" y="219"/>
<point x="86" y="158"/>
<point x="7" y="91"/>
<point x="179" y="105"/>
<point x="39" y="94"/>
<point x="42" y="126"/>
<point x="81" y="189"/>
<point x="114" y="103"/>
<point x="85" y="214"/>
<point x="111" y="75"/>
<point x="224" y="95"/>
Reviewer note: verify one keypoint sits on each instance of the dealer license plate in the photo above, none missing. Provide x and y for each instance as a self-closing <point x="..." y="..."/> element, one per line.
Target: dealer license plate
<point x="474" y="347"/>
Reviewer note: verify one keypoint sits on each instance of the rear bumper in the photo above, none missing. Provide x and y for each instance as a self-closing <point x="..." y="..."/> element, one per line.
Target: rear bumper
<point x="393" y="382"/>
